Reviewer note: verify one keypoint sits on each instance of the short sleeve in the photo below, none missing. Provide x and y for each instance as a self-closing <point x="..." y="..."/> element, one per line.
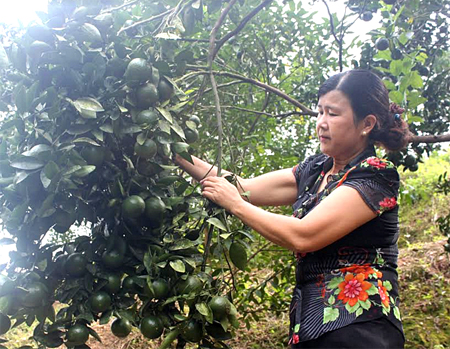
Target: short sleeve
<point x="377" y="186"/>
<point x="303" y="170"/>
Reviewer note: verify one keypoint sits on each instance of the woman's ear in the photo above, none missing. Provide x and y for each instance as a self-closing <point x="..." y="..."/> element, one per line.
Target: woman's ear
<point x="369" y="123"/>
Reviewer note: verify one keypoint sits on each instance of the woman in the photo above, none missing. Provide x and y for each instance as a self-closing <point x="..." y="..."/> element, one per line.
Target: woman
<point x="344" y="229"/>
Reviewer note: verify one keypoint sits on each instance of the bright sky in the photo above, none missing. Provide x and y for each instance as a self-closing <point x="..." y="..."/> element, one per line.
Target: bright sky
<point x="13" y="11"/>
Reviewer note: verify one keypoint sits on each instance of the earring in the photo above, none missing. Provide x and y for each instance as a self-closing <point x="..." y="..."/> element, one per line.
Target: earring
<point x="364" y="133"/>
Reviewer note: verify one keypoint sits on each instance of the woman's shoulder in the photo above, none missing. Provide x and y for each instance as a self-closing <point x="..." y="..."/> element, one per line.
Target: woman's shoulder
<point x="310" y="165"/>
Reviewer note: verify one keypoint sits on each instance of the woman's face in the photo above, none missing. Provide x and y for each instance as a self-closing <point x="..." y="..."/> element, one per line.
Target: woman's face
<point x="339" y="137"/>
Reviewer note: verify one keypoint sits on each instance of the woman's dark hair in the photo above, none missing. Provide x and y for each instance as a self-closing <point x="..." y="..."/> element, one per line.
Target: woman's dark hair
<point x="368" y="95"/>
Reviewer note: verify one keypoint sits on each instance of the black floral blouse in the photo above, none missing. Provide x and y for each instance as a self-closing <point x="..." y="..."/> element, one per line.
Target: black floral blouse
<point x="355" y="278"/>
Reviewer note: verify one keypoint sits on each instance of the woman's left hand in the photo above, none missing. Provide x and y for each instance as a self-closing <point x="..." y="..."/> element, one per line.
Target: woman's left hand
<point x="221" y="192"/>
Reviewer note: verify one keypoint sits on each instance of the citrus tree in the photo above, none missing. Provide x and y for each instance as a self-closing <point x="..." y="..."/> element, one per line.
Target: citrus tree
<point x="91" y="119"/>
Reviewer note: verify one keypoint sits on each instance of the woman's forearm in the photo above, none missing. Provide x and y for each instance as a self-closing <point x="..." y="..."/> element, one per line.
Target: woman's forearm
<point x="199" y="169"/>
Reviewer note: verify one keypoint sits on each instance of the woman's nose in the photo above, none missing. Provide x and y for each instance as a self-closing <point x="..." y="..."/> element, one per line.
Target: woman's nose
<point x="322" y="121"/>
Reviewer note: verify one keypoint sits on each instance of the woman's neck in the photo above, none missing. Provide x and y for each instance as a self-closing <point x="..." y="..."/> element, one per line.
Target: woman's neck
<point x="339" y="163"/>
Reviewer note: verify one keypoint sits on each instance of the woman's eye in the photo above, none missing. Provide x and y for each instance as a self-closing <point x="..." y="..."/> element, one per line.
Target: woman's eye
<point x="333" y="114"/>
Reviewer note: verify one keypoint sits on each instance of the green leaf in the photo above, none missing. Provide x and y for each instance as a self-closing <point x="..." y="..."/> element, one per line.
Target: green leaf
<point x="166" y="114"/>
<point x="415" y="118"/>
<point x="334" y="283"/>
<point x="397" y="313"/>
<point x="107" y="128"/>
<point x="141" y="138"/>
<point x="164" y="126"/>
<point x="396" y="68"/>
<point x="331" y="300"/>
<point x="128" y="129"/>
<point x="372" y="291"/>
<point x="20" y="95"/>
<point x="178" y="265"/>
<point x="84" y="171"/>
<point x="205" y="310"/>
<point x="330" y="314"/>
<point x="27" y="163"/>
<point x="182" y="244"/>
<point x="351" y="309"/>
<point x="37" y="150"/>
<point x="388" y="285"/>
<point x="416" y="80"/>
<point x="86" y="140"/>
<point x="217" y="223"/>
<point x="396" y="97"/>
<point x="178" y="130"/>
<point x="21" y="176"/>
<point x="94" y="334"/>
<point x="365" y="304"/>
<point x="78" y="129"/>
<point x="389" y="84"/>
<point x="359" y="312"/>
<point x="89" y="104"/>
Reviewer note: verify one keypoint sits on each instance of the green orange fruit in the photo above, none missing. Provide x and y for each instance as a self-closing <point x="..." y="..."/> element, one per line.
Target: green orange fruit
<point x="114" y="283"/>
<point x="37" y="293"/>
<point x="220" y="307"/>
<point x="192" y="331"/>
<point x="154" y="207"/>
<point x="113" y="259"/>
<point x="195" y="119"/>
<point x="192" y="284"/>
<point x="138" y="70"/>
<point x="165" y="90"/>
<point x="75" y="264"/>
<point x="133" y="206"/>
<point x="146" y="96"/>
<point x="78" y="334"/>
<point x="100" y="301"/>
<point x="121" y="327"/>
<point x="191" y="135"/>
<point x="147" y="150"/>
<point x="151" y="327"/>
<point x="147" y="117"/>
<point x="93" y="155"/>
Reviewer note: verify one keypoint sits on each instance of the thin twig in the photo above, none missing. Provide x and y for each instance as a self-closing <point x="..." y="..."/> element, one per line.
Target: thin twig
<point x="219" y="122"/>
<point x="120" y="7"/>
<point x="147" y="20"/>
<point x="261" y="113"/>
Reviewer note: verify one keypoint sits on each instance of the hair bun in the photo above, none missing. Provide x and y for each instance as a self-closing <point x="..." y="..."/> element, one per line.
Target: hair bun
<point x="395" y="109"/>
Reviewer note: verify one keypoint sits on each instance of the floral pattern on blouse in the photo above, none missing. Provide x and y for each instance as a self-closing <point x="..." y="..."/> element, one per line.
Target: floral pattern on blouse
<point x="352" y="289"/>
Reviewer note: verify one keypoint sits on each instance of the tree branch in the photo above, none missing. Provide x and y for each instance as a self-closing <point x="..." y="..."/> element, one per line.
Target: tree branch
<point x="271" y="89"/>
<point x="241" y="25"/>
<point x="430" y="139"/>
